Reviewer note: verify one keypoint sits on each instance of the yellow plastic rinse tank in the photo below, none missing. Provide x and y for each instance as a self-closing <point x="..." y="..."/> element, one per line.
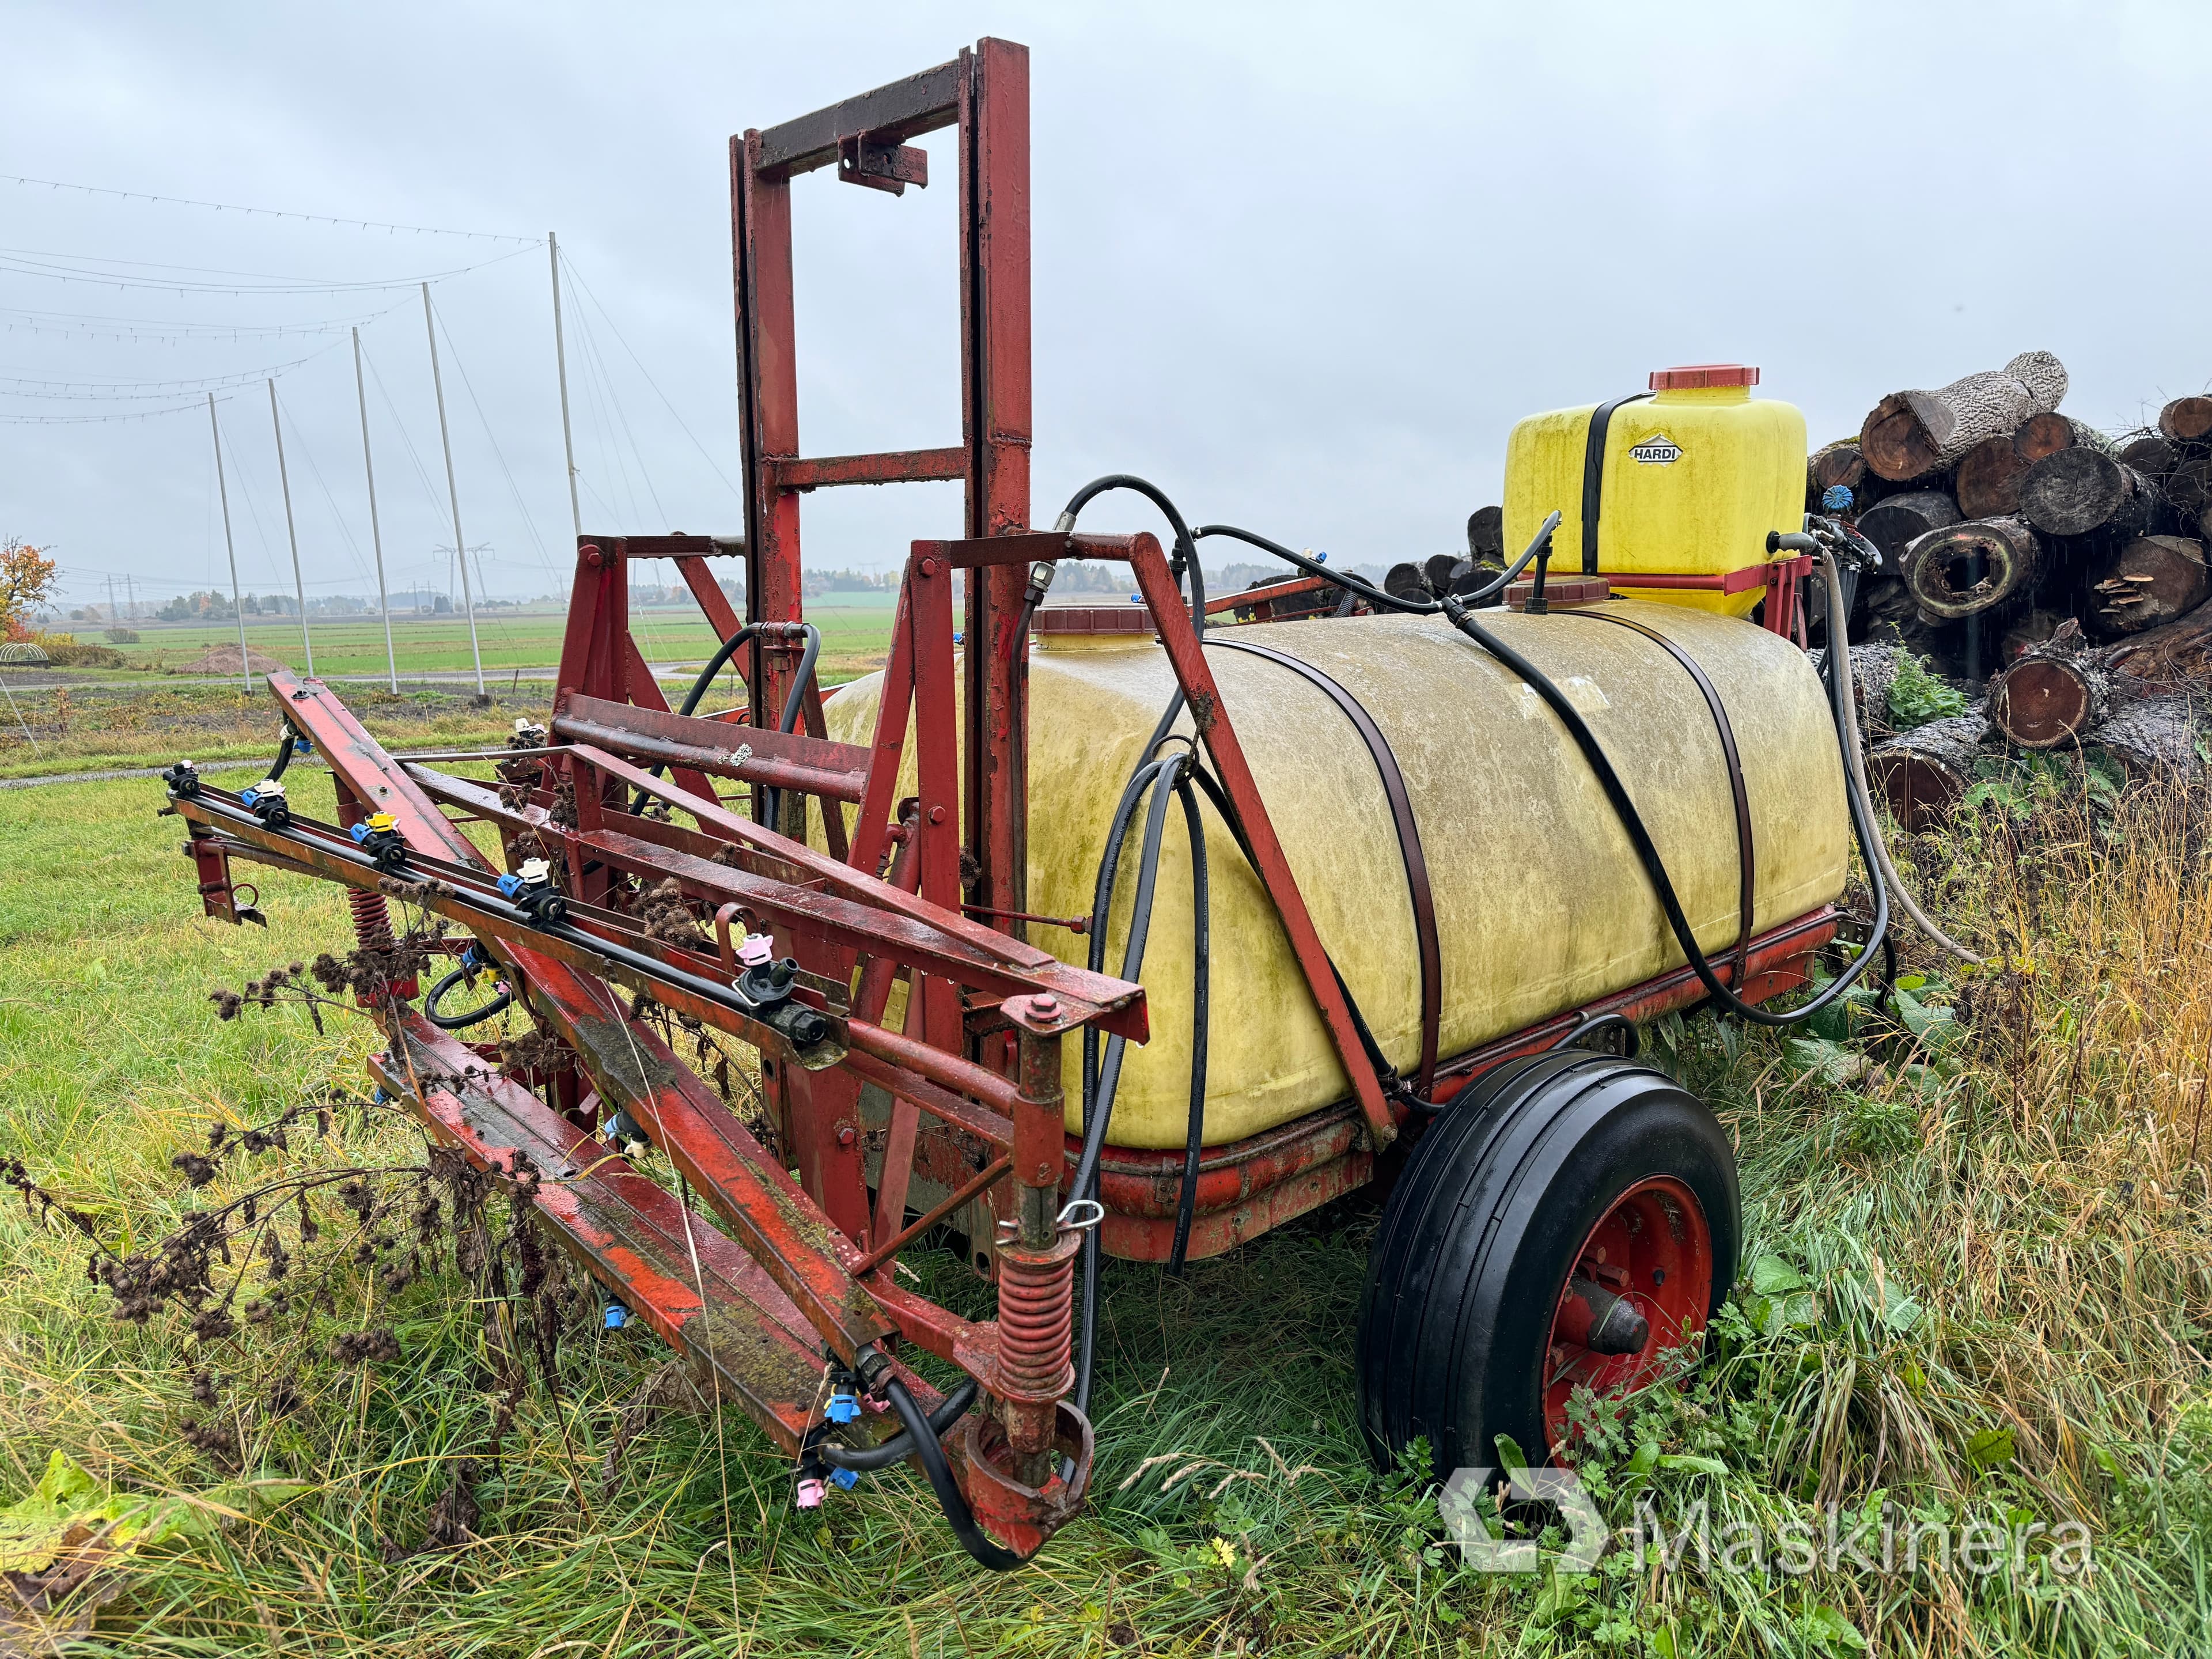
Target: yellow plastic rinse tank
<point x="1541" y="903"/>
<point x="1688" y="482"/>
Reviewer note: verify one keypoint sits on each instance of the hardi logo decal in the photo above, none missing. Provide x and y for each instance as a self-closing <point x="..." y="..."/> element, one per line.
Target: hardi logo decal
<point x="1657" y="449"/>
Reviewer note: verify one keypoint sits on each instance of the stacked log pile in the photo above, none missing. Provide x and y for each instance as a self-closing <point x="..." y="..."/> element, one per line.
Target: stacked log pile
<point x="2059" y="573"/>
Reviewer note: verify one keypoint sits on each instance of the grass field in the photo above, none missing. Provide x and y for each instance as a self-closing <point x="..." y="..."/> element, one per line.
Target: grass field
<point x="855" y="634"/>
<point x="1978" y="1285"/>
<point x="78" y="729"/>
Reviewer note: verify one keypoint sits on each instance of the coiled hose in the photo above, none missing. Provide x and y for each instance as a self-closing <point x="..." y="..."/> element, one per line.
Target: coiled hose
<point x="467" y="970"/>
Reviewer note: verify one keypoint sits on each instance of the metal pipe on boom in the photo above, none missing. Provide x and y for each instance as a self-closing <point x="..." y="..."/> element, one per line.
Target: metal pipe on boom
<point x="452" y="491"/>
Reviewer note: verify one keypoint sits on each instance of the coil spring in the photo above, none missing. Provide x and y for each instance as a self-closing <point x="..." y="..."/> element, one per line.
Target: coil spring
<point x="371" y="919"/>
<point x="1036" y="1311"/>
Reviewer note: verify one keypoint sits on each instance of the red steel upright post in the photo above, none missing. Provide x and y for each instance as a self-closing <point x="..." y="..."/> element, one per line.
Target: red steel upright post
<point x="995" y="297"/>
<point x="768" y="380"/>
<point x="984" y="93"/>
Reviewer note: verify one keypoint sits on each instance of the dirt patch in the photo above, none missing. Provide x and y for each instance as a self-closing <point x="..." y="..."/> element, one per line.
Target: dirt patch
<point x="223" y="659"/>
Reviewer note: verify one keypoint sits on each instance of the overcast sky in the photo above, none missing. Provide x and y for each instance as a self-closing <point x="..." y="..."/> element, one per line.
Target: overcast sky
<point x="1302" y="265"/>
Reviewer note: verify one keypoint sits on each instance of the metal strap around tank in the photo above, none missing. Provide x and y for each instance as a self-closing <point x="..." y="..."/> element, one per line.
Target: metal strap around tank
<point x="1409" y="840"/>
<point x="1746" y="877"/>
<point x="1594" y="475"/>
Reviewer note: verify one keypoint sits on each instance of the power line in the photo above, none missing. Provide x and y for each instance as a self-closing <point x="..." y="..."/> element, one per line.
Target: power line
<point x="84" y="268"/>
<point x="90" y="326"/>
<point x="266" y="213"/>
<point x="514" y="490"/>
<point x="654" y="384"/>
<point x="96" y="390"/>
<point x="91" y="420"/>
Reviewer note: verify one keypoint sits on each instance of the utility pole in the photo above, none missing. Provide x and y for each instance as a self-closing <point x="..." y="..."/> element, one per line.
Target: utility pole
<point x="375" y="533"/>
<point x="299" y="585"/>
<point x="452" y="493"/>
<point x="237" y="605"/>
<point x="561" y="363"/>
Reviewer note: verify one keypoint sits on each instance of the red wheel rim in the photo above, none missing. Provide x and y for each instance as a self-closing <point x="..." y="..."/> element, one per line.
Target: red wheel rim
<point x="1655" y="1248"/>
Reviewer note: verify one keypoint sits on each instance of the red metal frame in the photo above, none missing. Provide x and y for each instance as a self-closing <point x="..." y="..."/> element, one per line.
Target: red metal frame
<point x="627" y="795"/>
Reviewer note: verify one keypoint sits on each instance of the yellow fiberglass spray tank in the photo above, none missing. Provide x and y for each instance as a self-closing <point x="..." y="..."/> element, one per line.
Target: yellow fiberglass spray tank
<point x="1539" y="902"/>
<point x="1687" y="480"/>
<point x="1504" y="820"/>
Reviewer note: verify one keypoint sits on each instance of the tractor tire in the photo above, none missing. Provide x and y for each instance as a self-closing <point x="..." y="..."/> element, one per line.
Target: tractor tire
<point x="1553" y="1168"/>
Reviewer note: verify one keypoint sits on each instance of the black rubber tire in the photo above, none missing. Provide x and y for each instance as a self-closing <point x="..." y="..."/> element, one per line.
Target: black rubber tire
<point x="1480" y="1232"/>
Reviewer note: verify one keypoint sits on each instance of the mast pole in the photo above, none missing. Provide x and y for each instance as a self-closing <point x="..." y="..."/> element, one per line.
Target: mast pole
<point x="237" y="604"/>
<point x="561" y="364"/>
<point x="452" y="492"/>
<point x="298" y="584"/>
<point x="375" y="530"/>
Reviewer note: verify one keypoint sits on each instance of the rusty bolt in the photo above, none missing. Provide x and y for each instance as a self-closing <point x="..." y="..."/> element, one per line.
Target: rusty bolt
<point x="845" y="1136"/>
<point x="929" y="566"/>
<point x="594" y="558"/>
<point x="1045" y="1005"/>
<point x="937" y="815"/>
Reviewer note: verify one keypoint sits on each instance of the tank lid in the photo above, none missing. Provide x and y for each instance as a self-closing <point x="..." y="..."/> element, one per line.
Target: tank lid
<point x="1561" y="592"/>
<point x="1691" y="376"/>
<point x="1092" y="619"/>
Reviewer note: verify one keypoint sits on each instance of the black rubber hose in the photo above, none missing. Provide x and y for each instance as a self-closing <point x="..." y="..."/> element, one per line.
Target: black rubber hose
<point x="283" y="756"/>
<point x="1647" y="853"/>
<point x="1141" y="918"/>
<point x="1367" y="590"/>
<point x="899" y="1446"/>
<point x="1200" y="996"/>
<point x="715" y="664"/>
<point x="1100" y="1081"/>
<point x="793" y="700"/>
<point x="460" y="1022"/>
<point x="1186" y="544"/>
<point x="957" y="1514"/>
<point x="1161" y="776"/>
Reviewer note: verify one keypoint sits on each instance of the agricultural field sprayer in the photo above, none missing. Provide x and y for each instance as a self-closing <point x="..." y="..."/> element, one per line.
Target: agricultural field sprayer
<point x="1402" y="869"/>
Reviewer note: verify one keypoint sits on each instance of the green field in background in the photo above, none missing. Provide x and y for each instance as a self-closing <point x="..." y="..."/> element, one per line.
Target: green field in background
<point x="855" y="635"/>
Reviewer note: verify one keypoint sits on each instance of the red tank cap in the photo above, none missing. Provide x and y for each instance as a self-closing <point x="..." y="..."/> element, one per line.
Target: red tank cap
<point x="1092" y="619"/>
<point x="1694" y="375"/>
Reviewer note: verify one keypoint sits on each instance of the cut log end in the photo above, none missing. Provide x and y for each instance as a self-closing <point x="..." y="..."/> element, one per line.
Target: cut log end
<point x="1837" y="464"/>
<point x="2153" y="456"/>
<point x="2079" y="490"/>
<point x="2042" y="703"/>
<point x="2153" y="580"/>
<point x="1965" y="569"/>
<point x="2187" y="420"/>
<point x="2043" y="434"/>
<point x="1485" y="533"/>
<point x="1988" y="479"/>
<point x="1895" y="444"/>
<point x="1920" y="790"/>
<point x="1896" y="521"/>
<point x="1924" y="773"/>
